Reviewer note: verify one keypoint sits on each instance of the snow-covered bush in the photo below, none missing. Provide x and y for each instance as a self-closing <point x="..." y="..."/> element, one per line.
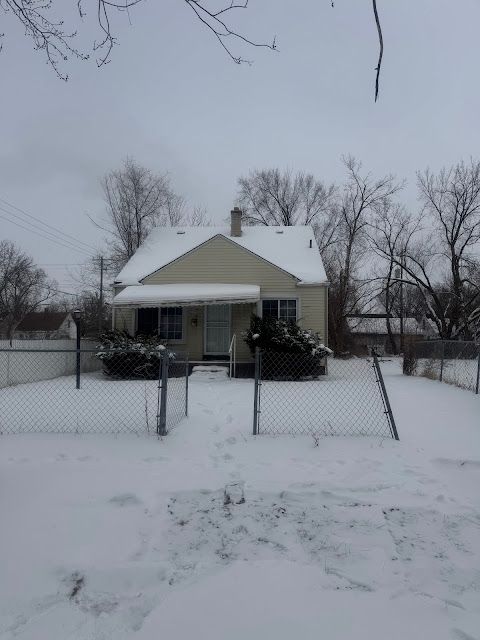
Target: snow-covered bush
<point x="270" y="334"/>
<point x="289" y="351"/>
<point x="127" y="357"/>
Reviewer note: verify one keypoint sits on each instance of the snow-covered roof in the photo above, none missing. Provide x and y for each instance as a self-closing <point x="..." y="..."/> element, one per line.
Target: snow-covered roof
<point x="284" y="247"/>
<point x="164" y="295"/>
<point x="379" y="326"/>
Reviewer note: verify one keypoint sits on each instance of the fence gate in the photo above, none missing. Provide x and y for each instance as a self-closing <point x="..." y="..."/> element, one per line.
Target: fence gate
<point x="342" y="397"/>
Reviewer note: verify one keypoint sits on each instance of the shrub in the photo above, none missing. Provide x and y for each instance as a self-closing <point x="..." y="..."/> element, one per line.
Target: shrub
<point x="289" y="351"/>
<point x="270" y="334"/>
<point x="126" y="357"/>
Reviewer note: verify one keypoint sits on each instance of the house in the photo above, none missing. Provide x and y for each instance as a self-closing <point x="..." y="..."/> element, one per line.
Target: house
<point x="197" y="287"/>
<point x="46" y="325"/>
<point x="370" y="330"/>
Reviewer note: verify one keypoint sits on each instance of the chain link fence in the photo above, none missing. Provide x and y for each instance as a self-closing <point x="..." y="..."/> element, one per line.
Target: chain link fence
<point x="297" y="394"/>
<point x="90" y="391"/>
<point x="451" y="361"/>
<point x="173" y="405"/>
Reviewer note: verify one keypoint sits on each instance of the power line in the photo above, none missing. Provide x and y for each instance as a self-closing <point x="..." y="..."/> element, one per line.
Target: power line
<point x="51" y="236"/>
<point x="45" y="224"/>
<point x="52" y="239"/>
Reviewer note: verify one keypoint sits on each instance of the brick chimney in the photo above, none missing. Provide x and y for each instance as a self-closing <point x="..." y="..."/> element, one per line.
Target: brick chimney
<point x="235" y="222"/>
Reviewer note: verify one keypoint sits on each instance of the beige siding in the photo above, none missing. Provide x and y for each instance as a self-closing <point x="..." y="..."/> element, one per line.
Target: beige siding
<point x="125" y="320"/>
<point x="312" y="310"/>
<point x="221" y="261"/>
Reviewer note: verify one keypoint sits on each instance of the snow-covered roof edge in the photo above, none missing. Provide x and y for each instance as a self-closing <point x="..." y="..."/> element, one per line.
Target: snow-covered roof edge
<point x="236" y="244"/>
<point x="292" y="250"/>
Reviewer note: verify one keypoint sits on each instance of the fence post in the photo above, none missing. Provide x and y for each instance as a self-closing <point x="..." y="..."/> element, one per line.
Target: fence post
<point x="386" y="401"/>
<point x="478" y="373"/>
<point x="441" y="361"/>
<point x="187" y="366"/>
<point x="162" y="417"/>
<point x="256" y="390"/>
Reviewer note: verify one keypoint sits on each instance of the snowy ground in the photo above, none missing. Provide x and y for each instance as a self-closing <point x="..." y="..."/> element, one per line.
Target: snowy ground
<point x="213" y="533"/>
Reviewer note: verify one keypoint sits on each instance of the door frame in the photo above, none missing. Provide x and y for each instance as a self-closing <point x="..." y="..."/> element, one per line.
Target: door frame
<point x="216" y="353"/>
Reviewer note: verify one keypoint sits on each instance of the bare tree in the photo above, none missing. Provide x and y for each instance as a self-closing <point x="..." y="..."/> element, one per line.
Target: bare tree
<point x="361" y="197"/>
<point x="198" y="217"/>
<point x="271" y="197"/>
<point x="136" y="200"/>
<point x="23" y="286"/>
<point x="50" y="35"/>
<point x="440" y="258"/>
<point x="451" y="199"/>
<point x="390" y="234"/>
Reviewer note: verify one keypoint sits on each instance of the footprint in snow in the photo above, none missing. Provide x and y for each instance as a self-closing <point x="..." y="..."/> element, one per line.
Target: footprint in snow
<point x="459" y="464"/>
<point x="461" y="635"/>
<point x="125" y="500"/>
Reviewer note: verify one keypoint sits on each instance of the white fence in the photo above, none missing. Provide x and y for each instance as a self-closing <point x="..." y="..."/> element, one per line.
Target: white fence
<point x="17" y="367"/>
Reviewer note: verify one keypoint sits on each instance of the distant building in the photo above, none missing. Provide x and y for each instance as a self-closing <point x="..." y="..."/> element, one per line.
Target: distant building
<point x="370" y="330"/>
<point x="46" y="325"/>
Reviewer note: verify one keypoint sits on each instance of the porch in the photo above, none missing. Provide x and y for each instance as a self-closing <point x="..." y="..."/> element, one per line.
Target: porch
<point x="199" y="319"/>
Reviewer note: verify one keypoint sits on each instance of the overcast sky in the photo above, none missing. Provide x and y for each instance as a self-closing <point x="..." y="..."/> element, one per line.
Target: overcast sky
<point x="175" y="102"/>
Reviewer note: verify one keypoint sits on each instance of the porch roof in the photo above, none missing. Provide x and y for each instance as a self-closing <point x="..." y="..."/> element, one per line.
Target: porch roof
<point x="185" y="295"/>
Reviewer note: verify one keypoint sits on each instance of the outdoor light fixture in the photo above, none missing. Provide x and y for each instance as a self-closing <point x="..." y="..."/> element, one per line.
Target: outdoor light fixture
<point x="77" y="314"/>
<point x="194" y="322"/>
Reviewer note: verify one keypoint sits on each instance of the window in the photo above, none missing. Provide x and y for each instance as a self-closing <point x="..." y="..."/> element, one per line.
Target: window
<point x="147" y="322"/>
<point x="171" y="323"/>
<point x="280" y="309"/>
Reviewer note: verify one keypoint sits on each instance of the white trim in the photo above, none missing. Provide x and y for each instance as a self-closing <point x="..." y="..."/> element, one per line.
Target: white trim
<point x="216" y="353"/>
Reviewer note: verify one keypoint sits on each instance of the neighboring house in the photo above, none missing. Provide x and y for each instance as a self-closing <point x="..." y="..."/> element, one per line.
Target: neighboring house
<point x="198" y="286"/>
<point x="371" y="331"/>
<point x="46" y="325"/>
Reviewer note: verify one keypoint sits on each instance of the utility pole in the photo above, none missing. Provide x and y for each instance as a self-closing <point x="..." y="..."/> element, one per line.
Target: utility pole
<point x="100" y="301"/>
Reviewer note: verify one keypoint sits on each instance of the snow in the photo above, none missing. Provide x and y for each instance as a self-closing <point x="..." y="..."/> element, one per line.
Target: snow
<point x="185" y="294"/>
<point x="285" y="247"/>
<point x="379" y="326"/>
<point x="101" y="404"/>
<point x="211" y="532"/>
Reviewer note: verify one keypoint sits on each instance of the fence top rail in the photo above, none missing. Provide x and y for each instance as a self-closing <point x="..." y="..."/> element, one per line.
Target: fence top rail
<point x="178" y="359"/>
<point x="451" y="341"/>
<point x="99" y="350"/>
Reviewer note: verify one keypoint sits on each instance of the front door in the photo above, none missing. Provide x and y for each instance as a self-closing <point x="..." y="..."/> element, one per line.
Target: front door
<point x="217" y="329"/>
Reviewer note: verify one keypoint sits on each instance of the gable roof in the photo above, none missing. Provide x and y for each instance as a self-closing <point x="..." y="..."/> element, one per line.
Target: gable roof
<point x="42" y="321"/>
<point x="287" y="248"/>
